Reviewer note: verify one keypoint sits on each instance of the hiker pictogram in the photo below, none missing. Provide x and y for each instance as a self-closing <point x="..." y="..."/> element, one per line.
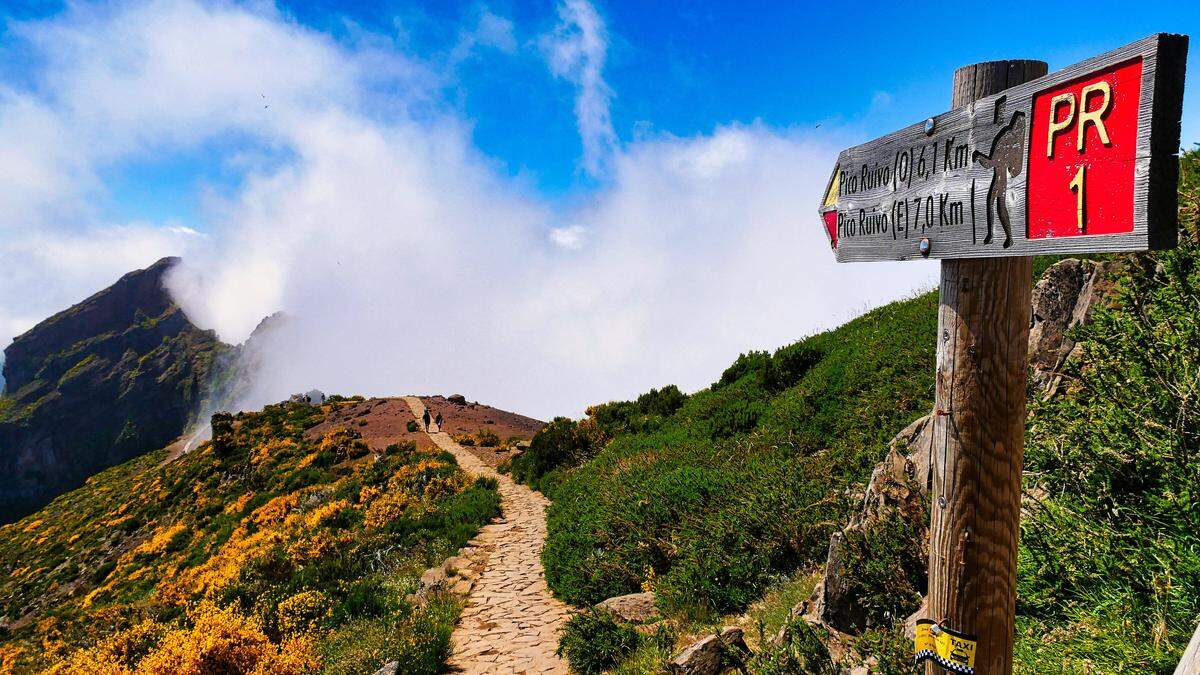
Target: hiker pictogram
<point x="1005" y="159"/>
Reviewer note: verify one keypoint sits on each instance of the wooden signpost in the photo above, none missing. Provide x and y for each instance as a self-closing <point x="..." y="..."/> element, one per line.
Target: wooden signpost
<point x="1081" y="160"/>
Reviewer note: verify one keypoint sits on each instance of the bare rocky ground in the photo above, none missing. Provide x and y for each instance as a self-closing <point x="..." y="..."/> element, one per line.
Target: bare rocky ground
<point x="383" y="421"/>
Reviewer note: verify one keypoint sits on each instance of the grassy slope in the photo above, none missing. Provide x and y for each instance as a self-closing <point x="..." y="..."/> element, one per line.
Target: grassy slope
<point x="743" y="484"/>
<point x="294" y="552"/>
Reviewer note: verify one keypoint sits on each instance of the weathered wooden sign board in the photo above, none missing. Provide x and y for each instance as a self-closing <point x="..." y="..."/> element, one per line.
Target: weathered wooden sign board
<point x="1083" y="159"/>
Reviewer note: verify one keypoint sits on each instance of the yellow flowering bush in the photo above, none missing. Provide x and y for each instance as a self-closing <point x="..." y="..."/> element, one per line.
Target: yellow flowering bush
<point x="165" y="537"/>
<point x="415" y="476"/>
<point x="328" y="513"/>
<point x="343" y="444"/>
<point x="445" y="486"/>
<point x="303" y="612"/>
<point x="275" y="510"/>
<point x="318" y="546"/>
<point x="388" y="508"/>
<point x="224" y="641"/>
<point x="368" y="493"/>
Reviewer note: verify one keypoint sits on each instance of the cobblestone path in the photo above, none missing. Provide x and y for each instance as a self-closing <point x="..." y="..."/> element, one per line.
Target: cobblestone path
<point x="511" y="622"/>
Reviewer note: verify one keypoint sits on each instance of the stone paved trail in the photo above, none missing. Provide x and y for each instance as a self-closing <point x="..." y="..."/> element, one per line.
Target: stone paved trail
<point x="511" y="622"/>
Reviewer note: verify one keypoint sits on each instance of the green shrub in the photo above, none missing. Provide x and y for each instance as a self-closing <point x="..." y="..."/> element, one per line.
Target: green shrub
<point x="412" y="427"/>
<point x="486" y="438"/>
<point x="801" y="651"/>
<point x="592" y="642"/>
<point x="893" y="651"/>
<point x="565" y="444"/>
<point x="561" y="443"/>
<point x="222" y="433"/>
<point x="402" y="449"/>
<point x="885" y="571"/>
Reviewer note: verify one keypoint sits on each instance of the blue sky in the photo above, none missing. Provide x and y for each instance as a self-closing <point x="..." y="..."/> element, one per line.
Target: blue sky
<point x="684" y="67"/>
<point x="592" y="197"/>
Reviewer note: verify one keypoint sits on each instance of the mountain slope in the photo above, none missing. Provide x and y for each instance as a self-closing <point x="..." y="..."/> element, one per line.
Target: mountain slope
<point x="714" y="500"/>
<point x="298" y="531"/>
<point x="112" y="377"/>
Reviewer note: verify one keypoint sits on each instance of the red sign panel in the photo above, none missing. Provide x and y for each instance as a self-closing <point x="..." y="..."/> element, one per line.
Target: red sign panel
<point x="1082" y="153"/>
<point x="831" y="226"/>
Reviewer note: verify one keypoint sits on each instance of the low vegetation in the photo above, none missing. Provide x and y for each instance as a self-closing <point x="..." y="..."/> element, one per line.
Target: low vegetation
<point x="263" y="551"/>
<point x="593" y="641"/>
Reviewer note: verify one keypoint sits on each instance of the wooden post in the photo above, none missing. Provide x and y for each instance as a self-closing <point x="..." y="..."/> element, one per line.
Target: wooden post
<point x="1190" y="663"/>
<point x="979" y="426"/>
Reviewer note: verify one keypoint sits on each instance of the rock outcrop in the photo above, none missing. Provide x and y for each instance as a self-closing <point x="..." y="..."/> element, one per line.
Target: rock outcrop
<point x="711" y="654"/>
<point x="635" y="608"/>
<point x="1063" y="298"/>
<point x="114" y="376"/>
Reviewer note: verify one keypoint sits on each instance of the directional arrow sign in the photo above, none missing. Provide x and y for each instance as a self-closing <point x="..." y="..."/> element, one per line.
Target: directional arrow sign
<point x="1084" y="159"/>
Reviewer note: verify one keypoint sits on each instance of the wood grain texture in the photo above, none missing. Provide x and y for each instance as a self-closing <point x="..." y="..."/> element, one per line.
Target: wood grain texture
<point x="1190" y="663"/>
<point x="976" y="123"/>
<point x="979" y="427"/>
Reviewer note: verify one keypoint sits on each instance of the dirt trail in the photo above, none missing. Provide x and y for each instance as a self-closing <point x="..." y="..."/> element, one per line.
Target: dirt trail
<point x="511" y="622"/>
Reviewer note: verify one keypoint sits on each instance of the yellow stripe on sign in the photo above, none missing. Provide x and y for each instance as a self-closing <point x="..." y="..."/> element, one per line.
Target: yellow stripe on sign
<point x="952" y="651"/>
<point x="832" y="195"/>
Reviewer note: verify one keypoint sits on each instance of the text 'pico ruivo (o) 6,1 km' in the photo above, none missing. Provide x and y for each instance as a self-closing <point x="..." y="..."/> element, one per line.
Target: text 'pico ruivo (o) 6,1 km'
<point x="1083" y="159"/>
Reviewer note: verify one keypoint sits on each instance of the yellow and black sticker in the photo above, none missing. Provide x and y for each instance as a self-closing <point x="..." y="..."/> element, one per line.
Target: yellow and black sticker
<point x="949" y="649"/>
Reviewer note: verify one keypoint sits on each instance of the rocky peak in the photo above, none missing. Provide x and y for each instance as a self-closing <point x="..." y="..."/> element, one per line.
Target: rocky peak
<point x="125" y="366"/>
<point x="135" y="297"/>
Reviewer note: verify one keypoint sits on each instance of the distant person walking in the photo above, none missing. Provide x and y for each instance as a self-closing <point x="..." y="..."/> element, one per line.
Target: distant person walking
<point x="425" y="418"/>
<point x="438" y="421"/>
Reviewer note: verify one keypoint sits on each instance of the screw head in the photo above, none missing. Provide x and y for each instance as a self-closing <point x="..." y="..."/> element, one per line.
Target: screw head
<point x="929" y="126"/>
<point x="925" y="246"/>
<point x="942" y="502"/>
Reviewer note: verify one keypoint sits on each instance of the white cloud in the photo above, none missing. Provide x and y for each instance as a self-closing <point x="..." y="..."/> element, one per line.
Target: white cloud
<point x="576" y="51"/>
<point x="570" y="237"/>
<point x="408" y="261"/>
<point x="491" y="30"/>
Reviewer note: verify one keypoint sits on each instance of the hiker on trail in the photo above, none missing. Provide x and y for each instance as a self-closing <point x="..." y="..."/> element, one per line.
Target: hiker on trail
<point x="438" y="421"/>
<point x="425" y="418"/>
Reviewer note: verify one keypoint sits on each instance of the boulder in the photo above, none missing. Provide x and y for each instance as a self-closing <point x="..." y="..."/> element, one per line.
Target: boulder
<point x="915" y="442"/>
<point x="633" y="608"/>
<point x="1063" y="298"/>
<point x="707" y="656"/>
<point x="391" y="668"/>
<point x="457" y="399"/>
<point x="433" y="579"/>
